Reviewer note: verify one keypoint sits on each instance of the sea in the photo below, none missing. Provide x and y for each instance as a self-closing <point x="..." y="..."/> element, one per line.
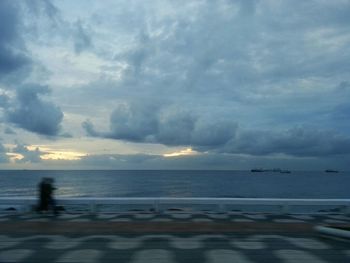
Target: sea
<point x="178" y="183"/>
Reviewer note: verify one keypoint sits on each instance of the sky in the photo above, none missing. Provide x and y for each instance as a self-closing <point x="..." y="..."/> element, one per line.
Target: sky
<point x="186" y="84"/>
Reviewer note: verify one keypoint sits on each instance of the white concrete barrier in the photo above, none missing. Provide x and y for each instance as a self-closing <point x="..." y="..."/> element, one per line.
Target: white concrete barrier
<point x="157" y="203"/>
<point x="332" y="231"/>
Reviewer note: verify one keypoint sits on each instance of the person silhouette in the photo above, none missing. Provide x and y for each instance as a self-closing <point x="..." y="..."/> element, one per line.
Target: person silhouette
<point x="46" y="200"/>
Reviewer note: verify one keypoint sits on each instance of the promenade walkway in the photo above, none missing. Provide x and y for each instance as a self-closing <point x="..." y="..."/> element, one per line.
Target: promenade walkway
<point x="170" y="237"/>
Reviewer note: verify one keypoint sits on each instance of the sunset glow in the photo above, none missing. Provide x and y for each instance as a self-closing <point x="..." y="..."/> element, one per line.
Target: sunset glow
<point x="185" y="152"/>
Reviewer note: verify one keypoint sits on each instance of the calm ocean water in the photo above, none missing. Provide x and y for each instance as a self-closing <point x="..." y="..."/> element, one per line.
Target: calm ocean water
<point x="179" y="184"/>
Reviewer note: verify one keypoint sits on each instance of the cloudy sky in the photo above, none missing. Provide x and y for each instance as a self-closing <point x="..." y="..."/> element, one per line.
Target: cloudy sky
<point x="199" y="84"/>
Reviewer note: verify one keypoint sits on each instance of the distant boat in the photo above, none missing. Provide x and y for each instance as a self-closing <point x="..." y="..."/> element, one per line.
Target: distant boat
<point x="257" y="170"/>
<point x="331" y="171"/>
<point x="276" y="170"/>
<point x="285" y="172"/>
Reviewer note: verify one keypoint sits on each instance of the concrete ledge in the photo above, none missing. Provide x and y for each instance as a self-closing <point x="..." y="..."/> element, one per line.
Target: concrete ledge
<point x="160" y="203"/>
<point x="334" y="231"/>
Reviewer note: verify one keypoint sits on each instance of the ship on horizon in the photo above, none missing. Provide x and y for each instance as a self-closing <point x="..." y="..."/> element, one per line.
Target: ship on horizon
<point x="258" y="170"/>
<point x="331" y="171"/>
<point x="275" y="170"/>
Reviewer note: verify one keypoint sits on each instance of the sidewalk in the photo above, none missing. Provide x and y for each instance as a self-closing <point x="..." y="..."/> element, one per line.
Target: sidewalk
<point x="171" y="237"/>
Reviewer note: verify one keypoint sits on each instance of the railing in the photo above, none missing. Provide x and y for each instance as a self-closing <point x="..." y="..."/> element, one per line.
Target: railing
<point x="157" y="204"/>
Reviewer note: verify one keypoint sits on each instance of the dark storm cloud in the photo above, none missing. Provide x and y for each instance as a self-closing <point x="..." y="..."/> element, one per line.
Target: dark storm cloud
<point x="138" y="122"/>
<point x="31" y="112"/>
<point x="177" y="127"/>
<point x="300" y="141"/>
<point x="235" y="51"/>
<point x="10" y="62"/>
<point x="12" y="53"/>
<point x="27" y="109"/>
<point x="262" y="51"/>
<point x="134" y="123"/>
<point x="269" y="66"/>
